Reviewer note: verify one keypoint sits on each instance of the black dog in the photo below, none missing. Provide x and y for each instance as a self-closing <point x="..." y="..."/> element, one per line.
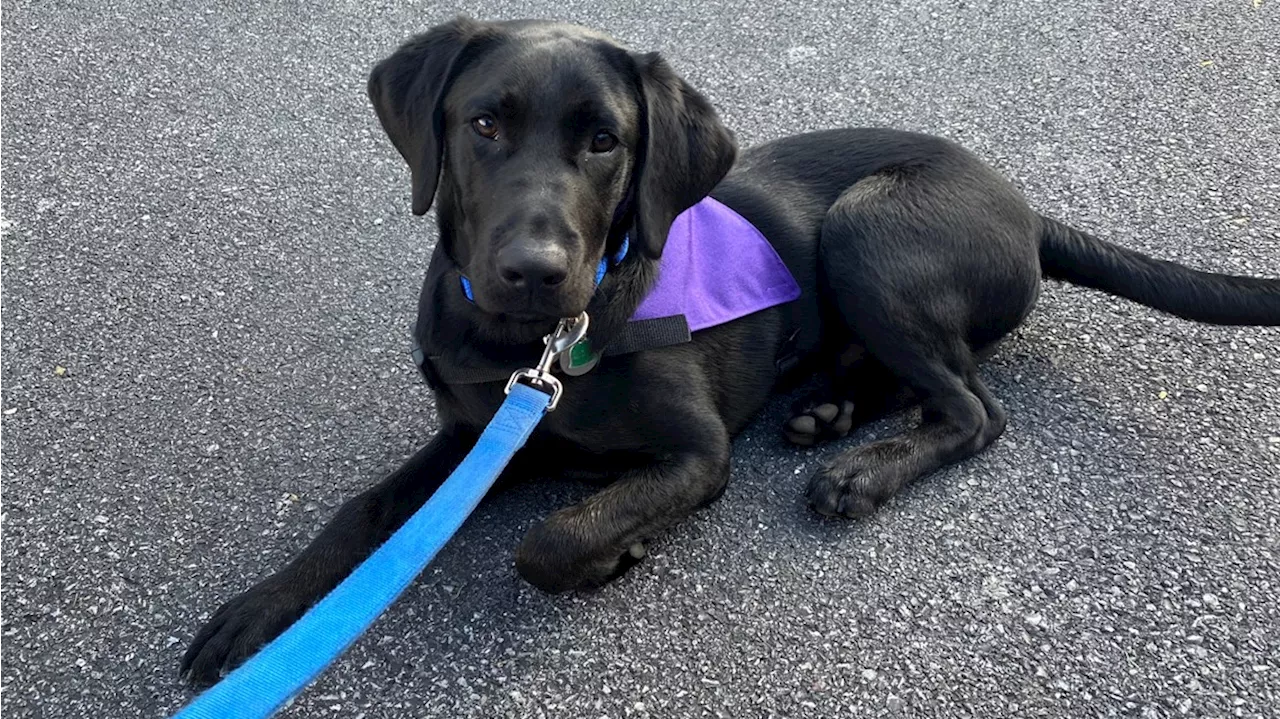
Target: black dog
<point x="549" y="147"/>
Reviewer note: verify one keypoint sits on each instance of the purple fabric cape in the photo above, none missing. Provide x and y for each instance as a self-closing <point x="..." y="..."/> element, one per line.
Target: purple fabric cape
<point x="716" y="267"/>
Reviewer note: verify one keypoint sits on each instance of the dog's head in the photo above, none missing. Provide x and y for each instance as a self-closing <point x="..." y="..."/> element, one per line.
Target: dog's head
<point x="544" y="145"/>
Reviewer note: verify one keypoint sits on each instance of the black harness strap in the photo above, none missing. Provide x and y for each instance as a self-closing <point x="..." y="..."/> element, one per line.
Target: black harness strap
<point x="650" y="334"/>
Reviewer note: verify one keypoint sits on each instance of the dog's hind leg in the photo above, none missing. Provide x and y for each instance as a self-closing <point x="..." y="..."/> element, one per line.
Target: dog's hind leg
<point x="959" y="417"/>
<point x="924" y="270"/>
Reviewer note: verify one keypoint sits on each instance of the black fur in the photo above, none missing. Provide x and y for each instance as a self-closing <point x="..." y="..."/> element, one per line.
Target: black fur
<point x="915" y="259"/>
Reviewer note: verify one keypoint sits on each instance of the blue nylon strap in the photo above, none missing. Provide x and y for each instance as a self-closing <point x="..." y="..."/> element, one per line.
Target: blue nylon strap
<point x="281" y="669"/>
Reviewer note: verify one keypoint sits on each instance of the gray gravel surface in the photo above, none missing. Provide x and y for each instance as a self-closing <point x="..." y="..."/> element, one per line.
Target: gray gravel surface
<point x="204" y="226"/>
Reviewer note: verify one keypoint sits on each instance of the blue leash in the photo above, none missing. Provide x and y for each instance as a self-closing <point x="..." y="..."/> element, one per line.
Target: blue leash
<point x="285" y="666"/>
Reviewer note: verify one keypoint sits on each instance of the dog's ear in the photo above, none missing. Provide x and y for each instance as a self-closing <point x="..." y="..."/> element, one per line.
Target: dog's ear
<point x="684" y="151"/>
<point x="407" y="90"/>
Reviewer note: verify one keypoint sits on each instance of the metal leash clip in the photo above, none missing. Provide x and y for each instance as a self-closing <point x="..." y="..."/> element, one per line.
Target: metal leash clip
<point x="568" y="332"/>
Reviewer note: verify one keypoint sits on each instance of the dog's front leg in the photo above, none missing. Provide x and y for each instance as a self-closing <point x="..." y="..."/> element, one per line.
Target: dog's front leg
<point x="248" y="621"/>
<point x="593" y="542"/>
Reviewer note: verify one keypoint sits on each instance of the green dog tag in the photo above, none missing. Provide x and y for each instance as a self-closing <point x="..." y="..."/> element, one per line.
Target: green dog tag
<point x="579" y="359"/>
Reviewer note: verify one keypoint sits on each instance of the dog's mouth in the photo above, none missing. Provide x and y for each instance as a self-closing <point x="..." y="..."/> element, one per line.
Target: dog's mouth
<point x="531" y="316"/>
<point x="521" y="309"/>
<point x="528" y="318"/>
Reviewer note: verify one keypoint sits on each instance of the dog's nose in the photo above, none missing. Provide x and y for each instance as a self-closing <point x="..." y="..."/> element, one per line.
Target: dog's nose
<point x="531" y="267"/>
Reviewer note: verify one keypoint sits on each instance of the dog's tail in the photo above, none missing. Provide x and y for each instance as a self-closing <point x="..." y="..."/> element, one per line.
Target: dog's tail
<point x="1082" y="259"/>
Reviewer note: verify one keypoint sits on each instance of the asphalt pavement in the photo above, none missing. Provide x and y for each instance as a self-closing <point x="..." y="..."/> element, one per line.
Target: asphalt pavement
<point x="210" y="268"/>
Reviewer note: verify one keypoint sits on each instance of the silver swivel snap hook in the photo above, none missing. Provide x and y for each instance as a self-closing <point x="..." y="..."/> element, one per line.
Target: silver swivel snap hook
<point x="569" y="331"/>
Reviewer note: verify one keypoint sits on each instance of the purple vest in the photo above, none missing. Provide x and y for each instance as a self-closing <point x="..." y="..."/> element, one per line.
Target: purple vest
<point x="716" y="267"/>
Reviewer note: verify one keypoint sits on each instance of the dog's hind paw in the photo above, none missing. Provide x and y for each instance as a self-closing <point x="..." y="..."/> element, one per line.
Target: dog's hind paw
<point x="811" y="424"/>
<point x="857" y="481"/>
<point x="834" y="493"/>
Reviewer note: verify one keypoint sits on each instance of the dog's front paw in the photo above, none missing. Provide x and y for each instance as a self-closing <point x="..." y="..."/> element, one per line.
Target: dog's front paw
<point x="238" y="629"/>
<point x="563" y="552"/>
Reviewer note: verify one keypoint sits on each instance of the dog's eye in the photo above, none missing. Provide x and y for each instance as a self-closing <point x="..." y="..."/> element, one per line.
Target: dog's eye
<point x="603" y="142"/>
<point x="485" y="126"/>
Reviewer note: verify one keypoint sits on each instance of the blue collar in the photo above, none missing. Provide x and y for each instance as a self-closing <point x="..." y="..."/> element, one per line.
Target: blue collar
<point x="601" y="269"/>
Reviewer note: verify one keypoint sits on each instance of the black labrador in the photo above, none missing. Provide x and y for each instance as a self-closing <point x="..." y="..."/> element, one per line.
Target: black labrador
<point x="544" y="147"/>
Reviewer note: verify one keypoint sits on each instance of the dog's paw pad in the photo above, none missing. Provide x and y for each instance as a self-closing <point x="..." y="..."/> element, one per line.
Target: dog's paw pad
<point x="822" y="422"/>
<point x="844" y="419"/>
<point x="802" y="430"/>
<point x="826" y="412"/>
